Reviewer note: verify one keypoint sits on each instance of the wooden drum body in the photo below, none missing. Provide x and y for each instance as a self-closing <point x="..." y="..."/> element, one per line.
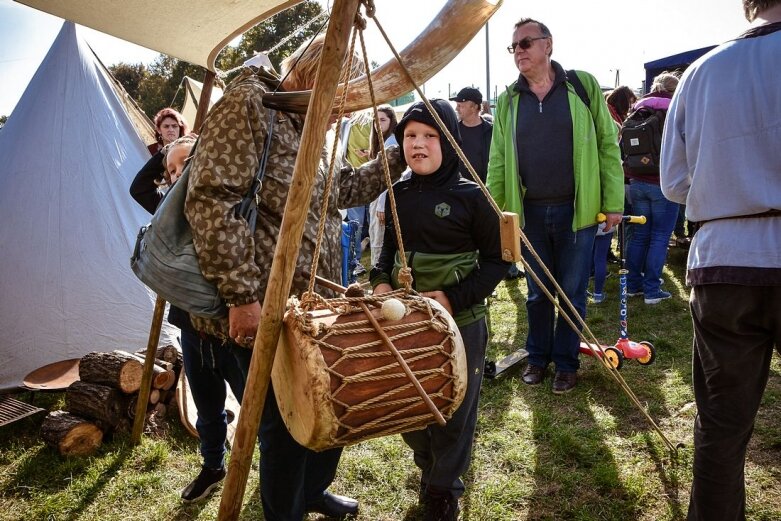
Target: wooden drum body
<point x="337" y="383"/>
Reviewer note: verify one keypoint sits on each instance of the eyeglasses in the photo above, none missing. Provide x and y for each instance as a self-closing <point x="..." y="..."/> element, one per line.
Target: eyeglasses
<point x="525" y="43"/>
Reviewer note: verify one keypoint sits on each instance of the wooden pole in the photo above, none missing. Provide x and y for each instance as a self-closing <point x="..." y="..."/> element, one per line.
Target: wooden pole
<point x="146" y="377"/>
<point x="284" y="264"/>
<point x="204" y="101"/>
<point x="157" y="315"/>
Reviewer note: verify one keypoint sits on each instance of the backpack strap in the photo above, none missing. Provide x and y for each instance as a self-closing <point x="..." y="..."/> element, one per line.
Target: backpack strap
<point x="580" y="90"/>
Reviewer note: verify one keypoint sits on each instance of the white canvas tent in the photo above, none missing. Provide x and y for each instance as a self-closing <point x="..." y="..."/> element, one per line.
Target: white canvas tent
<point x="68" y="154"/>
<point x="192" y="96"/>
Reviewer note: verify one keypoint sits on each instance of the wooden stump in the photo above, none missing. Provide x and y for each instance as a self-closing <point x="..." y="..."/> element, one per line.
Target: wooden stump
<point x="162" y="378"/>
<point x="117" y="369"/>
<point x="103" y="404"/>
<point x="70" y="434"/>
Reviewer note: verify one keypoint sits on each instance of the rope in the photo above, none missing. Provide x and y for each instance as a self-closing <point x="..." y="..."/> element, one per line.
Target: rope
<point x="329" y="178"/>
<point x="294" y="32"/>
<point x="405" y="274"/>
<point x="605" y="364"/>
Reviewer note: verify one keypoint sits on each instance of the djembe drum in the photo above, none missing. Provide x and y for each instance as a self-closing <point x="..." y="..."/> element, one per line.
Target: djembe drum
<point x="337" y="383"/>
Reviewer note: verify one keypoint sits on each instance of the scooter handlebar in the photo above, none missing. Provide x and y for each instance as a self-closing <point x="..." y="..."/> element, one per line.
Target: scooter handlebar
<point x="632" y="219"/>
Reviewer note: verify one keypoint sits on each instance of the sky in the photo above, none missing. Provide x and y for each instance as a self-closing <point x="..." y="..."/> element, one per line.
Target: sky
<point x="608" y="38"/>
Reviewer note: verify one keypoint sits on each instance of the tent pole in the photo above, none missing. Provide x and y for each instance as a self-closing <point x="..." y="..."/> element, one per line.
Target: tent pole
<point x="205" y="101"/>
<point x="157" y="315"/>
<point x="146" y="376"/>
<point x="284" y="263"/>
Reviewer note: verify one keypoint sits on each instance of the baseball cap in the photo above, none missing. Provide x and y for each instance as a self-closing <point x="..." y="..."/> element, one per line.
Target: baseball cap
<point x="468" y="94"/>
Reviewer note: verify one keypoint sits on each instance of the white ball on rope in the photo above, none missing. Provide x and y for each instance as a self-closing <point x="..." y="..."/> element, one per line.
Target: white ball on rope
<point x="393" y="309"/>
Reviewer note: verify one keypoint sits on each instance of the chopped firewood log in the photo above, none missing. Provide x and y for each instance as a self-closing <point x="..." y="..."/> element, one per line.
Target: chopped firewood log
<point x="71" y="435"/>
<point x="99" y="403"/>
<point x="161" y="378"/>
<point x="118" y="370"/>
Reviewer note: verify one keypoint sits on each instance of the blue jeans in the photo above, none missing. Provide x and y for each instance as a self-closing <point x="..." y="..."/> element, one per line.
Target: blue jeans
<point x="646" y="251"/>
<point x="208" y="364"/>
<point x="601" y="247"/>
<point x="357" y="214"/>
<point x="568" y="256"/>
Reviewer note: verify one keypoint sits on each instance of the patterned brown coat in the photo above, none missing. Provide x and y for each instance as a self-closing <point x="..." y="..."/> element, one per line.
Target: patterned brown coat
<point x="226" y="161"/>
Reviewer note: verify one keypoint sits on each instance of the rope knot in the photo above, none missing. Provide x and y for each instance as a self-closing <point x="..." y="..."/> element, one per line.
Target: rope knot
<point x="405" y="277"/>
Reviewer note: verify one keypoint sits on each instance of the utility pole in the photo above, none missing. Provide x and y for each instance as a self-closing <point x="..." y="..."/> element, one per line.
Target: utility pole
<point x="487" y="66"/>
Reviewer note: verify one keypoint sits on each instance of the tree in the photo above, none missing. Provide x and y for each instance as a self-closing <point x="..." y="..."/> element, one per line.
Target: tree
<point x="158" y="85"/>
<point x="3" y="119"/>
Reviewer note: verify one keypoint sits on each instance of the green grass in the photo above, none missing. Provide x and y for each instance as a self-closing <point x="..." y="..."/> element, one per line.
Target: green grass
<point x="588" y="455"/>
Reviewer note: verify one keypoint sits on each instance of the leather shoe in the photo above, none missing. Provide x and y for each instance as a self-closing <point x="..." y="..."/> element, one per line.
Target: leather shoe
<point x="564" y="382"/>
<point x="332" y="505"/>
<point x="533" y="375"/>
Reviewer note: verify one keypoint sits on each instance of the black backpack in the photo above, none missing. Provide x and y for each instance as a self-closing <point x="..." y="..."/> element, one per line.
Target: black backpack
<point x="641" y="141"/>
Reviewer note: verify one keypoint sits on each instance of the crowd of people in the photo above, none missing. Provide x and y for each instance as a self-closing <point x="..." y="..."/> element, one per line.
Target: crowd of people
<point x="552" y="151"/>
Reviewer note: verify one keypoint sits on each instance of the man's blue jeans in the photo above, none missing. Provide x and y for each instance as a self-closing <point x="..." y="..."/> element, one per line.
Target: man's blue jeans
<point x="568" y="256"/>
<point x="208" y="364"/>
<point x="357" y="214"/>
<point x="646" y="251"/>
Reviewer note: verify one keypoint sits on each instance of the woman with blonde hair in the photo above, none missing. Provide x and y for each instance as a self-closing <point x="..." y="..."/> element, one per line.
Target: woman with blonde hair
<point x="294" y="479"/>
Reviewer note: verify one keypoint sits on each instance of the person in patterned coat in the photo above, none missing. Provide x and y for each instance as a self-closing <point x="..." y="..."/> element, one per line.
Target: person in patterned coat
<point x="294" y="480"/>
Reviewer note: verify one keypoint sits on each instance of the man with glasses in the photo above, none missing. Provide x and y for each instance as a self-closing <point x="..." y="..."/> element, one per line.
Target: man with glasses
<point x="555" y="161"/>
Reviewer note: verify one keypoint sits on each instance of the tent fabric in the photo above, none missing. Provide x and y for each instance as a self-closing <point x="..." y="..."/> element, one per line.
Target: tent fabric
<point x="68" y="154"/>
<point x="193" y="31"/>
<point x="192" y="96"/>
<point x="676" y="62"/>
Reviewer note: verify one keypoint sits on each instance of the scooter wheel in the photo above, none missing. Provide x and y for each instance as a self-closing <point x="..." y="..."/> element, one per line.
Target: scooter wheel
<point x="650" y="356"/>
<point x="614" y="356"/>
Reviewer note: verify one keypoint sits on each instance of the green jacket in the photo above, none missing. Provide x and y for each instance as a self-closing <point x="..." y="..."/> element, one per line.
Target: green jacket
<point x="599" y="178"/>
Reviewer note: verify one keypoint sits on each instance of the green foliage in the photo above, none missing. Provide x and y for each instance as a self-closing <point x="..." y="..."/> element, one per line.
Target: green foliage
<point x="157" y="86"/>
<point x="3" y="119"/>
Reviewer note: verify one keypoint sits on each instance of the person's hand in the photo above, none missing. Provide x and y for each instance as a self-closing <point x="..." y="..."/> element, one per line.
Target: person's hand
<point x="381" y="218"/>
<point x="362" y="152"/>
<point x="440" y="297"/>
<point x="244" y="322"/>
<point x="612" y="219"/>
<point x="382" y="287"/>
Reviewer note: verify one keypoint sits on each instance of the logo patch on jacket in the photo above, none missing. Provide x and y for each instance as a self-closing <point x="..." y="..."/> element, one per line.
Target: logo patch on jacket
<point x="442" y="210"/>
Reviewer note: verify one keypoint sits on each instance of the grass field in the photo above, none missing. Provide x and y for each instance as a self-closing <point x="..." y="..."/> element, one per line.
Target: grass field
<point x="588" y="455"/>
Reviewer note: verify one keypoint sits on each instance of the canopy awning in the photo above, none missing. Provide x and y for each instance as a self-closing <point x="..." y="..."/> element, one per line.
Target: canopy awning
<point x="191" y="31"/>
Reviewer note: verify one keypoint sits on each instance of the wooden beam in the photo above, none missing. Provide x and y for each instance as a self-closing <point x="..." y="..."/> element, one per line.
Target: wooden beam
<point x="284" y="264"/>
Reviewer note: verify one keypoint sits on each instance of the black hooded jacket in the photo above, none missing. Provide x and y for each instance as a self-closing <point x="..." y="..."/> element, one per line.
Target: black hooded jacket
<point x="450" y="231"/>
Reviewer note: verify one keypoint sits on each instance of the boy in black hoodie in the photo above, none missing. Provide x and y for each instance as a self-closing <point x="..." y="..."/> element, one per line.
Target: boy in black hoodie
<point x="452" y="244"/>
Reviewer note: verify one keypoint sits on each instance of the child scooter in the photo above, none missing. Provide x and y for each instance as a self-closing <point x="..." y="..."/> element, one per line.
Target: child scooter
<point x="624" y="348"/>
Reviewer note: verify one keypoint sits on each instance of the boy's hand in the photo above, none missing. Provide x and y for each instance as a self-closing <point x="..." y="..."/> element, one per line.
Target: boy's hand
<point x="440" y="297"/>
<point x="382" y="287"/>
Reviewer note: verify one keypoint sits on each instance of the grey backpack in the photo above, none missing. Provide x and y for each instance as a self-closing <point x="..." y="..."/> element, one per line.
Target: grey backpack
<point x="164" y="257"/>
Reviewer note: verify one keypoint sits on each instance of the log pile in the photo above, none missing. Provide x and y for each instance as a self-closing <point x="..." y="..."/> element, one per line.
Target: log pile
<point x="104" y="399"/>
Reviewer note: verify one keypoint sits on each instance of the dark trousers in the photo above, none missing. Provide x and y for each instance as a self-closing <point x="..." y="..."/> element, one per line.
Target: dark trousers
<point x="735" y="329"/>
<point x="208" y="364"/>
<point x="568" y="256"/>
<point x="291" y="476"/>
<point x="443" y="454"/>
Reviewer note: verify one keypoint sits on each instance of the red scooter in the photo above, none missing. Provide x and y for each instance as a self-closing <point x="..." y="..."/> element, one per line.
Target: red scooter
<point x="624" y="348"/>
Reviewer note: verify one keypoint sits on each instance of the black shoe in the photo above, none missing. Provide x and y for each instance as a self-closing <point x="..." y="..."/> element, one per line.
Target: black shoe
<point x="514" y="273"/>
<point x="331" y="505"/>
<point x="440" y="507"/>
<point x="564" y="382"/>
<point x="202" y="486"/>
<point x="533" y="375"/>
